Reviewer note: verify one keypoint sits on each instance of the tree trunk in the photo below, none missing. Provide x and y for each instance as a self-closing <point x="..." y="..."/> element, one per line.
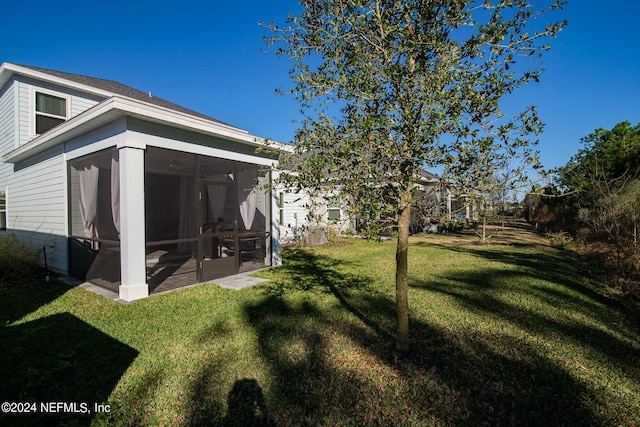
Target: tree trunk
<point x="402" y="275"/>
<point x="484" y="228"/>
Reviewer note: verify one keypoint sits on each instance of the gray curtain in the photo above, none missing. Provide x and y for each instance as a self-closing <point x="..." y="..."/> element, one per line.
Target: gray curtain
<point x="88" y="177"/>
<point x="217" y="196"/>
<point x="248" y="195"/>
<point x="115" y="192"/>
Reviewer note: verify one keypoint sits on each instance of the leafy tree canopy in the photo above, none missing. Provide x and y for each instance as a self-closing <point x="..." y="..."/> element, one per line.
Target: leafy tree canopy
<point x="388" y="87"/>
<point x="611" y="156"/>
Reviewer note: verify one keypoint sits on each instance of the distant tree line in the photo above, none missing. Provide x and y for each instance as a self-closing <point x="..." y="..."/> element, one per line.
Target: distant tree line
<point x="596" y="198"/>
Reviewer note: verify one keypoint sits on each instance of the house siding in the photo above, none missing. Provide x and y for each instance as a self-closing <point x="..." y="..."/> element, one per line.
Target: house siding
<point x="294" y="215"/>
<point x="36" y="208"/>
<point x="36" y="190"/>
<point x="24" y="121"/>
<point x="37" y="186"/>
<point x="78" y="103"/>
<point x="342" y="226"/>
<point x="7" y="130"/>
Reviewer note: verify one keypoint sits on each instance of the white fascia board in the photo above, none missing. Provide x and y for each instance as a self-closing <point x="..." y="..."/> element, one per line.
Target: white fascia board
<point x="116" y="107"/>
<point x="150" y="112"/>
<point x="158" y="114"/>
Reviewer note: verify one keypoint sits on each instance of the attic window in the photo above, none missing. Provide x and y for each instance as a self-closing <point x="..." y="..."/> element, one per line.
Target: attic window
<point x="50" y="111"/>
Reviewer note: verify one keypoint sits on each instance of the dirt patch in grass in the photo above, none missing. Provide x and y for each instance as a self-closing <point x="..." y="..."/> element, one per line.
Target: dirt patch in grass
<point x="511" y="233"/>
<point x="333" y="244"/>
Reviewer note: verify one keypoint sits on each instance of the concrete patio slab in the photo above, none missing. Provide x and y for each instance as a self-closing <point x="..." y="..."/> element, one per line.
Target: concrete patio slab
<point x="236" y="282"/>
<point x="239" y="281"/>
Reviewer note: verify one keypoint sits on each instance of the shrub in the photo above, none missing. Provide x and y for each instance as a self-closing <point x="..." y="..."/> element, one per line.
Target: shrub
<point x="456" y="224"/>
<point x="560" y="240"/>
<point x="333" y="234"/>
<point x="18" y="259"/>
<point x="316" y="236"/>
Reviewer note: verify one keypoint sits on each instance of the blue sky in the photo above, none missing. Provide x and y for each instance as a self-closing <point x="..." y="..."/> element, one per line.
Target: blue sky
<point x="206" y="55"/>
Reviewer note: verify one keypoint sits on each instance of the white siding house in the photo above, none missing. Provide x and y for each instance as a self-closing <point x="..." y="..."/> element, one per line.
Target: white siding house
<point x="137" y="194"/>
<point x="130" y="191"/>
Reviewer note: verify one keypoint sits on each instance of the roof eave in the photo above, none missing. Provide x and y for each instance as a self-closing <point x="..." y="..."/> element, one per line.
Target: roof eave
<point x="116" y="107"/>
<point x="7" y="70"/>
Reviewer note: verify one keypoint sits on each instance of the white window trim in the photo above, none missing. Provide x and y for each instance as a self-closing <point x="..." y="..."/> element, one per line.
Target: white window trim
<point x="32" y="106"/>
<point x="333" y="206"/>
<point x="281" y="203"/>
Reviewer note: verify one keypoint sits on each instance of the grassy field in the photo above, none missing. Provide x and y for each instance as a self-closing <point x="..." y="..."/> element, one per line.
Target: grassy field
<point x="510" y="333"/>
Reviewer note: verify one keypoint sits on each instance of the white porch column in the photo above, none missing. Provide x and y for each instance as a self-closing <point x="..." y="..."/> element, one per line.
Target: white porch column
<point x="133" y="276"/>
<point x="276" y="256"/>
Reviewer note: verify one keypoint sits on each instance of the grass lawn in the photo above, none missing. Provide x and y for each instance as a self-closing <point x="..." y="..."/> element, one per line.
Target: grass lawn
<point x="510" y="333"/>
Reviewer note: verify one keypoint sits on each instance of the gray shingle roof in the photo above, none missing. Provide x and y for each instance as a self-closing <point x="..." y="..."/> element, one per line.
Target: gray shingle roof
<point x="123" y="90"/>
<point x="428" y="175"/>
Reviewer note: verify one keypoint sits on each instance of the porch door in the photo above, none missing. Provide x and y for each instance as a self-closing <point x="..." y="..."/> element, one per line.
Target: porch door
<point x="218" y="233"/>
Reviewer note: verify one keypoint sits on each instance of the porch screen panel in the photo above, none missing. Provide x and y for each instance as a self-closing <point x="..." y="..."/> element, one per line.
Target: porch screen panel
<point x="94" y="219"/>
<point x="255" y="212"/>
<point x="94" y="197"/>
<point x="221" y="213"/>
<point x="170" y="218"/>
<point x="187" y="223"/>
<point x="169" y="196"/>
<point x="262" y="218"/>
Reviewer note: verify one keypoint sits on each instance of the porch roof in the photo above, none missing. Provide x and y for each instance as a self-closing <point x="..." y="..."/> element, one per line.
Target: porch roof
<point x="116" y="107"/>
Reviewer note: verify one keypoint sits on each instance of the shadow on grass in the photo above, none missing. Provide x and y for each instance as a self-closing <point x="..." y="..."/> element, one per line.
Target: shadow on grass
<point x="306" y="389"/>
<point x="59" y="358"/>
<point x="545" y="295"/>
<point x="209" y="408"/>
<point x="245" y="401"/>
<point x="563" y="270"/>
<point x="450" y="375"/>
<point x="304" y="270"/>
<point x="517" y="224"/>
<point x="18" y="300"/>
<point x="546" y="313"/>
<point x="309" y="272"/>
<point x="246" y="405"/>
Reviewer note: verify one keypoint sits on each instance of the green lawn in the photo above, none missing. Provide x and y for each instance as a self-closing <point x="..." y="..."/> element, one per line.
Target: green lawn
<point x="510" y="333"/>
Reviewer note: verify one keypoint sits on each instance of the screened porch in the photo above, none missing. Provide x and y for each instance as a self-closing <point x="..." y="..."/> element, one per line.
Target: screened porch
<point x="205" y="218"/>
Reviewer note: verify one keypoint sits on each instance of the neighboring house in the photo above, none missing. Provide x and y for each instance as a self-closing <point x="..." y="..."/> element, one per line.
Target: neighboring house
<point x="434" y="201"/>
<point x="127" y="190"/>
<point x="436" y="204"/>
<point x="328" y="213"/>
